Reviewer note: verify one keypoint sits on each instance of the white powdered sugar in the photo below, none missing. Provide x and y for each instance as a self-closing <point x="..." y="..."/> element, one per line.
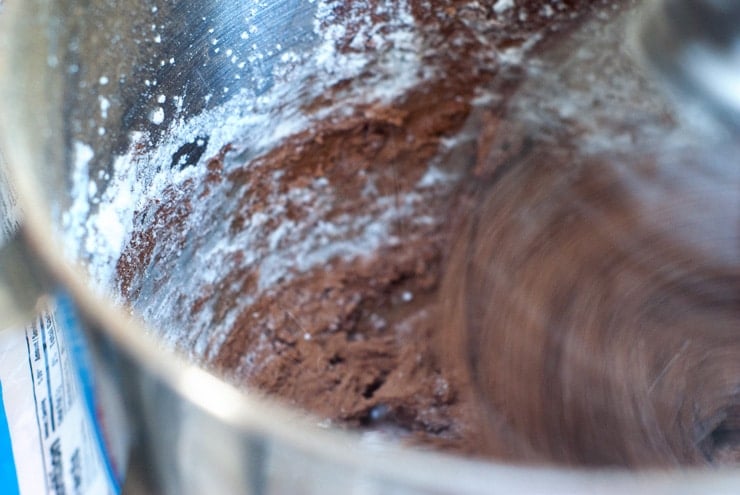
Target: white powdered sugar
<point x="396" y="64"/>
<point x="376" y="46"/>
<point x="502" y="6"/>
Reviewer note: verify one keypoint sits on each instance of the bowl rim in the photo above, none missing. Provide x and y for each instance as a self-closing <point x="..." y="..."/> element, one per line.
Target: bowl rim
<point x="247" y="412"/>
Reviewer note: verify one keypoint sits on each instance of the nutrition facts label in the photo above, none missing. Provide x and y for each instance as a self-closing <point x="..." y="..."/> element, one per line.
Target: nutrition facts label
<point x="52" y="444"/>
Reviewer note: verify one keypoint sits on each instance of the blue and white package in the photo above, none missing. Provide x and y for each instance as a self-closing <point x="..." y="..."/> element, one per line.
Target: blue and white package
<point x="50" y="436"/>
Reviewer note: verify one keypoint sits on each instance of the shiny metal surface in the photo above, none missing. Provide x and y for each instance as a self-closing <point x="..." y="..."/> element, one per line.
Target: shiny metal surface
<point x="193" y="433"/>
<point x="696" y="46"/>
<point x="76" y="55"/>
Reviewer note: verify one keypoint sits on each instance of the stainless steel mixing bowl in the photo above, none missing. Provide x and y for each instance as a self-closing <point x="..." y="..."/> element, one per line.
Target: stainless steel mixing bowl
<point x="89" y="87"/>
